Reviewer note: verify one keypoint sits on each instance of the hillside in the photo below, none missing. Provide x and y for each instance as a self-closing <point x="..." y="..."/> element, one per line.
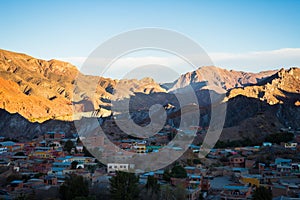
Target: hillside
<point x="226" y="79"/>
<point x="282" y="87"/>
<point x="38" y="95"/>
<point x="40" y="90"/>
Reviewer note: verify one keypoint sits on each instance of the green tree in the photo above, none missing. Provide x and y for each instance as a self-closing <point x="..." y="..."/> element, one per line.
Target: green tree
<point x="21" y="196"/>
<point x="68" y="146"/>
<point x="74" y="186"/>
<point x="152" y="186"/>
<point x="173" y="193"/>
<point x="224" y="159"/>
<point x="167" y="193"/>
<point x="262" y="193"/>
<point x="178" y="172"/>
<point x="92" y="168"/>
<point x="201" y="196"/>
<point x="86" y="152"/>
<point x="12" y="177"/>
<point x="124" y="186"/>
<point x="74" y="164"/>
<point x="196" y="161"/>
<point x="166" y="175"/>
<point x="279" y="137"/>
<point x="220" y="144"/>
<point x="180" y="192"/>
<point x="85" y="198"/>
<point x="20" y="154"/>
<point x="38" y="175"/>
<point x="10" y="139"/>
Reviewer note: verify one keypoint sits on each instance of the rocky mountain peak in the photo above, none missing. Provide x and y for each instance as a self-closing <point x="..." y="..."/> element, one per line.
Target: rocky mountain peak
<point x="225" y="79"/>
<point x="281" y="87"/>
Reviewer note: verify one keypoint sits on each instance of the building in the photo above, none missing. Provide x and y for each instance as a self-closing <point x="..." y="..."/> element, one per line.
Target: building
<point x="194" y="181"/>
<point x="284" y="170"/>
<point x="55" y="135"/>
<point x="79" y="148"/>
<point x="279" y="190"/>
<point x="17" y="147"/>
<point x="267" y="144"/>
<point x="180" y="181"/>
<point x="283" y="166"/>
<point x="283" y="161"/>
<point x="205" y="184"/>
<point x="59" y="168"/>
<point x="40" y="154"/>
<point x="15" y="185"/>
<point x="237" y="161"/>
<point x="81" y="159"/>
<point x="113" y="167"/>
<point x="235" y="192"/>
<point x="191" y="170"/>
<point x="8" y="145"/>
<point x="34" y="183"/>
<point x="50" y="180"/>
<point x="41" y="166"/>
<point x="249" y="163"/>
<point x="3" y="149"/>
<point x="154" y="149"/>
<point x="261" y="167"/>
<point x="54" y="145"/>
<point x="296" y="168"/>
<point x="238" y="172"/>
<point x="140" y="147"/>
<point x="290" y="145"/>
<point x="192" y="193"/>
<point x="251" y="179"/>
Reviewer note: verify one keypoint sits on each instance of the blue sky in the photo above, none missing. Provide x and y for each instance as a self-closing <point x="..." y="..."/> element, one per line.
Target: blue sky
<point x="236" y="34"/>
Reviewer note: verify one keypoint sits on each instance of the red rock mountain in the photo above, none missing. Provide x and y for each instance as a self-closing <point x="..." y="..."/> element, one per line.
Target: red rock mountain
<point x="282" y="87"/>
<point x="226" y="79"/>
<point x="40" y="90"/>
<point x="37" y="90"/>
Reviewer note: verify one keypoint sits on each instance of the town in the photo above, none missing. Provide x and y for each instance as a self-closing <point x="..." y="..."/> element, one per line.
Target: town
<point x="39" y="168"/>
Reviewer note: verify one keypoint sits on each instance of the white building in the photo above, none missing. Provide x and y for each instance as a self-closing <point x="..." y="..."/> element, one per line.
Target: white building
<point x="113" y="167"/>
<point x="3" y="149"/>
<point x="290" y="145"/>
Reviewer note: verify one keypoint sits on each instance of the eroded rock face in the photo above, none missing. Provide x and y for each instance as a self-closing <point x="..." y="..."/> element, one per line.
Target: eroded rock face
<point x="34" y="88"/>
<point x="40" y="90"/>
<point x="284" y="86"/>
<point x="220" y="77"/>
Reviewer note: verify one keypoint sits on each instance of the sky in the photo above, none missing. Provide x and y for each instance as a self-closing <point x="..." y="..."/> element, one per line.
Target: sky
<point x="240" y="35"/>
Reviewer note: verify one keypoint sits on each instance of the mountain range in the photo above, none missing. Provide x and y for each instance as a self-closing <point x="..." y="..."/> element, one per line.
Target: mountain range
<point x="37" y="95"/>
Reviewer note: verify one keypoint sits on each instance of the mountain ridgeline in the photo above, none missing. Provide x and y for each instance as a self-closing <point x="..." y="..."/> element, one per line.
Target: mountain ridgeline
<point x="38" y="95"/>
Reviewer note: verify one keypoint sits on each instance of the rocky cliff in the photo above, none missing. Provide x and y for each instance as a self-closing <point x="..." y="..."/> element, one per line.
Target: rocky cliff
<point x="226" y="79"/>
<point x="38" y="96"/>
<point x="40" y="90"/>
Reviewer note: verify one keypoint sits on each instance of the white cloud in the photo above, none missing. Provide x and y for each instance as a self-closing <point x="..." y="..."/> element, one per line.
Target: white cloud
<point x="251" y="61"/>
<point x="77" y="61"/>
<point x="162" y="69"/>
<point x="258" y="61"/>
